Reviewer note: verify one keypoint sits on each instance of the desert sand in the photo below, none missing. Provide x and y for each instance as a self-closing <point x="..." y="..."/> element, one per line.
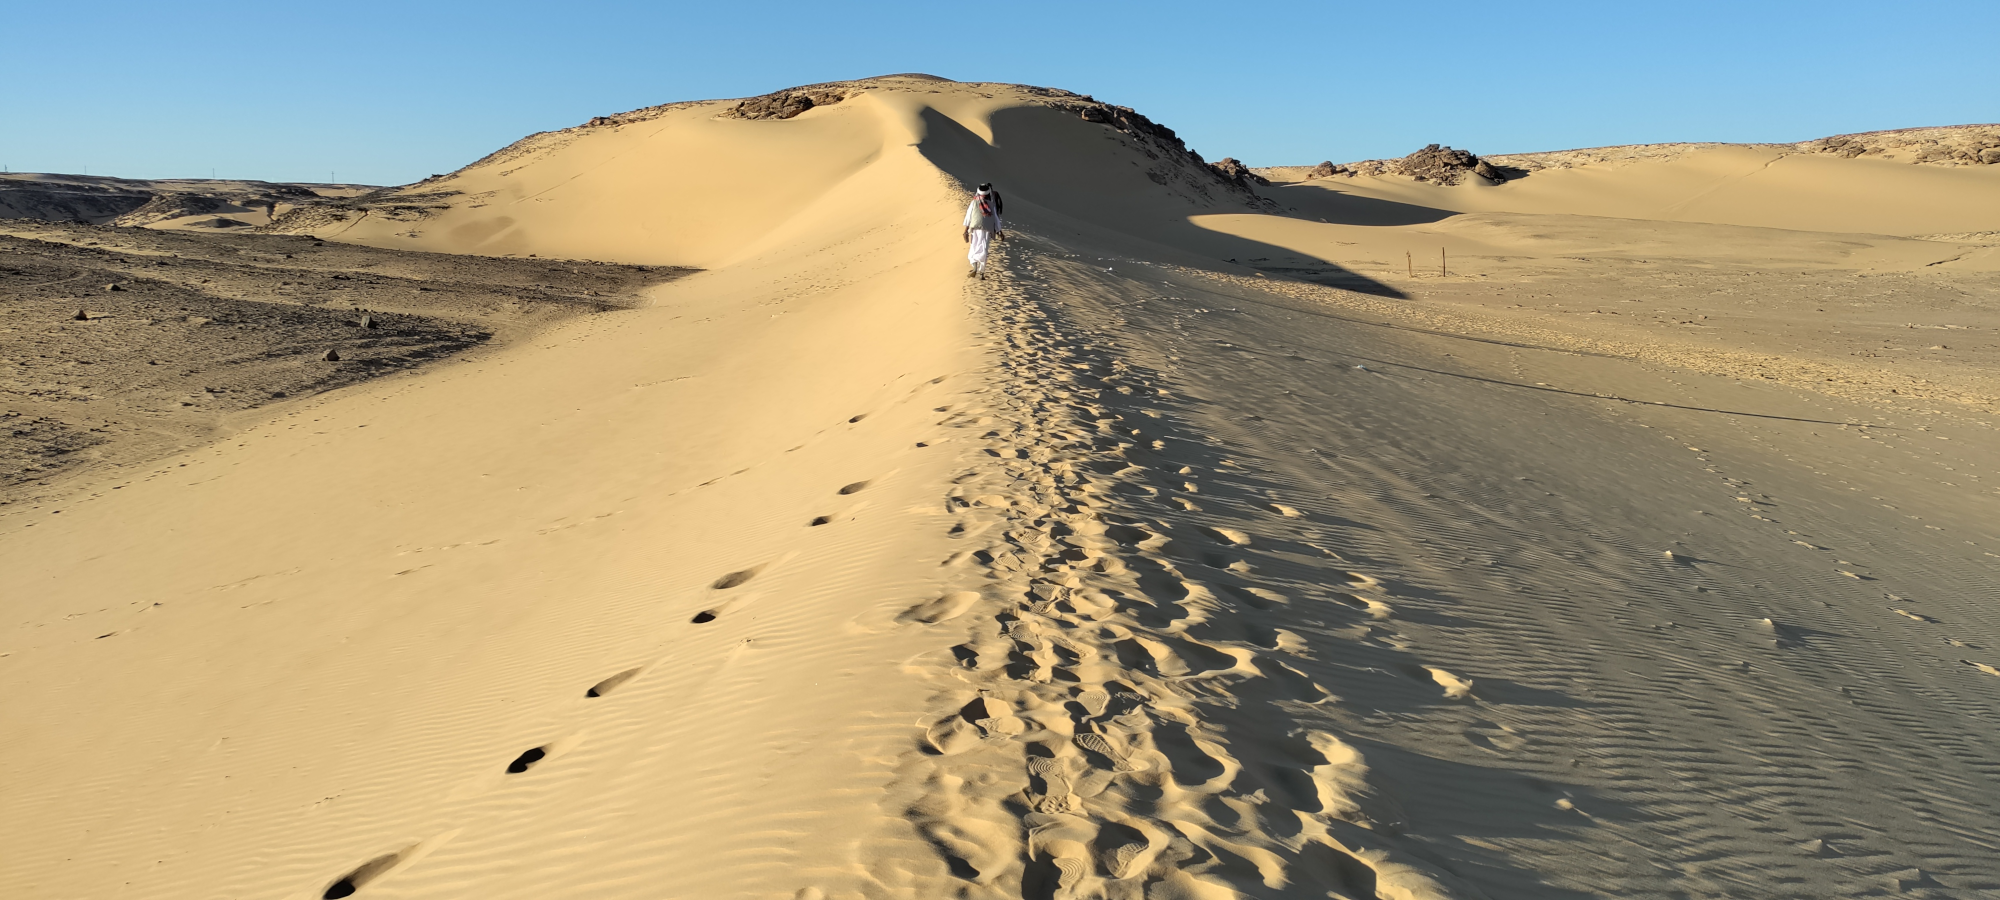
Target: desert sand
<point x="1623" y="528"/>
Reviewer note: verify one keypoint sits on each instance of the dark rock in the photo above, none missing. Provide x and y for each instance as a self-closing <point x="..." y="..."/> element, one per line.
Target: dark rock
<point x="1235" y="172"/>
<point x="784" y="104"/>
<point x="330" y="356"/>
<point x="114" y="287"/>
<point x="1443" y="165"/>
<point x="81" y="316"/>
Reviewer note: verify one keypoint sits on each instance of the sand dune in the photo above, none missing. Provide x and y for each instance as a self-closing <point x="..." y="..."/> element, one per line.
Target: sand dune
<point x="1205" y="550"/>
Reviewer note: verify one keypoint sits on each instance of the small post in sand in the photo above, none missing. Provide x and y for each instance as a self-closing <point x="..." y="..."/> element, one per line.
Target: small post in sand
<point x="1410" y="264"/>
<point x="1443" y="270"/>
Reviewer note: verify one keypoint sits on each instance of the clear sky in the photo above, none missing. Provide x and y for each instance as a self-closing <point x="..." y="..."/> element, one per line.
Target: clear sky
<point x="386" y="93"/>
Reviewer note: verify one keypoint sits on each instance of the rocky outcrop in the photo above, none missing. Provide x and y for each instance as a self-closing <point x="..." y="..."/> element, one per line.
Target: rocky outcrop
<point x="784" y="104"/>
<point x="1433" y="163"/>
<point x="1176" y="167"/>
<point x="1235" y="172"/>
<point x="1962" y="145"/>
<point x="1125" y="119"/>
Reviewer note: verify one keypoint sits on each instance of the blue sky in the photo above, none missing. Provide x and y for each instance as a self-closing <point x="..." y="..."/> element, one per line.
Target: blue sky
<point x="387" y="93"/>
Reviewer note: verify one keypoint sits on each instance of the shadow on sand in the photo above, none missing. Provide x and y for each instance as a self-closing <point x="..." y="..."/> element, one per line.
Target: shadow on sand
<point x="1066" y="174"/>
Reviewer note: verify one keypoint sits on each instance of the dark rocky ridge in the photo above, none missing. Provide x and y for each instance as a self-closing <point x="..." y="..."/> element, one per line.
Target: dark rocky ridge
<point x="103" y="200"/>
<point x="1178" y="164"/>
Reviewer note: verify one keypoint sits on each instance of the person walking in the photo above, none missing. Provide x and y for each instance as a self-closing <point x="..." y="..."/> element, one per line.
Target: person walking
<point x="982" y="227"/>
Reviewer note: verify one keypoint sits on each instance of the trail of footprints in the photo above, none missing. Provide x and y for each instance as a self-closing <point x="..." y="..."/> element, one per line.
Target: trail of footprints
<point x="1081" y="746"/>
<point x="380" y="867"/>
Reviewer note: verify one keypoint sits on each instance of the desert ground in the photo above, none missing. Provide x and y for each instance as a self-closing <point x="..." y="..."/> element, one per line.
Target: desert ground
<point x="1615" y="522"/>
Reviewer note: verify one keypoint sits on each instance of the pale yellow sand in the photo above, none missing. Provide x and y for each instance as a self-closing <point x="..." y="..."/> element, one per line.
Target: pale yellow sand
<point x="1127" y="573"/>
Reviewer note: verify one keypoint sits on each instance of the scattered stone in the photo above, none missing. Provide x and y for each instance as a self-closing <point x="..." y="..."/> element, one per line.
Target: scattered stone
<point x="368" y="322"/>
<point x="330" y="356"/>
<point x="81" y="316"/>
<point x="114" y="286"/>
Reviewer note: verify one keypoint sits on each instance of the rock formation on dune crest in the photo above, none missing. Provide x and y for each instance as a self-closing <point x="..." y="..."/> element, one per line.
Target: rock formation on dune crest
<point x="785" y="104"/>
<point x="1442" y="165"/>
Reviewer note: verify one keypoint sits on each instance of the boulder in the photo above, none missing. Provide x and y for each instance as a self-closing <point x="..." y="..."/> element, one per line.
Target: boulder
<point x="330" y="356"/>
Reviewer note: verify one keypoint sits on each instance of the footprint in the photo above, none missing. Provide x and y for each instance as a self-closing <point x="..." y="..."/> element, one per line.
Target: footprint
<point x="1910" y="615"/>
<point x="1229" y="536"/>
<point x="380" y="867"/>
<point x="857" y="418"/>
<point x="1376" y="609"/>
<point x="1981" y="667"/>
<point x="951" y="736"/>
<point x="949" y="606"/>
<point x="1455" y="688"/>
<point x="1257" y="598"/>
<point x="854" y="488"/>
<point x="359" y="878"/>
<point x="527" y="760"/>
<point x="1124" y="850"/>
<point x="1192" y="762"/>
<point x="1283" y="510"/>
<point x="735" y="579"/>
<point x="605" y="687"/>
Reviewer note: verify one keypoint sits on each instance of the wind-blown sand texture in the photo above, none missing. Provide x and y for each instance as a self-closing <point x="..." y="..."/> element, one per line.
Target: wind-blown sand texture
<point x="1201" y="551"/>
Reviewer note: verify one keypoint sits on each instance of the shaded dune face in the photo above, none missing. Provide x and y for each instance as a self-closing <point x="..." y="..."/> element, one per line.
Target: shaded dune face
<point x="1200" y="550"/>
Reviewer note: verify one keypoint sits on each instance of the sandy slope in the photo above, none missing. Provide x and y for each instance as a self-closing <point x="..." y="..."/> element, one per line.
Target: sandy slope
<point x="1128" y="573"/>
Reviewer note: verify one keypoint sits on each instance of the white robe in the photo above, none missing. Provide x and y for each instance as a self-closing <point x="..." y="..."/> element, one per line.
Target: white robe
<point x="982" y="240"/>
<point x="982" y="229"/>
